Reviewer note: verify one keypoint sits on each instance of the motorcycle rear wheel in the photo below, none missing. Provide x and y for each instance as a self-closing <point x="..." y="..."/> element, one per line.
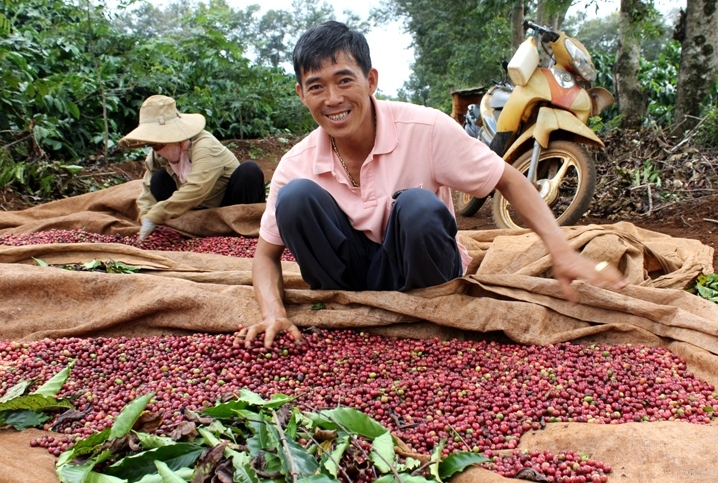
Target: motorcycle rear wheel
<point x="468" y="205"/>
<point x="566" y="175"/>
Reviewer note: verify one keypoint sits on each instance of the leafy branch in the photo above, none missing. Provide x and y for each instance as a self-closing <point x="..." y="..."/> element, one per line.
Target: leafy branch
<point x="252" y="439"/>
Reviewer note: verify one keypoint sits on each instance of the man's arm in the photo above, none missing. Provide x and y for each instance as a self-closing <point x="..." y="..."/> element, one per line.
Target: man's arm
<point x="568" y="264"/>
<point x="269" y="290"/>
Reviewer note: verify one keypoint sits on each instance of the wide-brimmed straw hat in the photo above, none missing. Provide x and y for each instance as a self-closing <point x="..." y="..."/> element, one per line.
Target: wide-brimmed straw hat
<point x="162" y="123"/>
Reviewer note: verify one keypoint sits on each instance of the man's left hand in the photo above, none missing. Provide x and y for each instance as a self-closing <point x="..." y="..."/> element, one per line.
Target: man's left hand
<point x="574" y="266"/>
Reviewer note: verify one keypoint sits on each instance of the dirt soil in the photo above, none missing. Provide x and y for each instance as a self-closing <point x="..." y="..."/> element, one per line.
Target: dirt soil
<point x="685" y="205"/>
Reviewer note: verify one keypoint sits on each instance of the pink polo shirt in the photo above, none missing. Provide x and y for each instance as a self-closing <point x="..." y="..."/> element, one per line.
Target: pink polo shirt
<point x="415" y="147"/>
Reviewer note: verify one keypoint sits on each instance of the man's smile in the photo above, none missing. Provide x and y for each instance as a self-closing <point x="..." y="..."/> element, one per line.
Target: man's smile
<point x="338" y="117"/>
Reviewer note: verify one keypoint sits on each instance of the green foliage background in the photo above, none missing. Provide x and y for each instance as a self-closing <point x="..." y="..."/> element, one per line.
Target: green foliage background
<point x="73" y="73"/>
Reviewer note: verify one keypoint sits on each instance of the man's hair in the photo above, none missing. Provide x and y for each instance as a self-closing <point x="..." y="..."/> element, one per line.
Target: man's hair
<point x="324" y="42"/>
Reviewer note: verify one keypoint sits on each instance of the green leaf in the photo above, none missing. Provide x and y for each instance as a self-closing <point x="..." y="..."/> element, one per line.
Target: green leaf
<point x="405" y="478"/>
<point x="136" y="466"/>
<point x="74" y="473"/>
<point x="184" y="473"/>
<point x="457" y="462"/>
<point x="119" y="267"/>
<point x="436" y="455"/>
<point x="85" y="474"/>
<point x="262" y="440"/>
<point x="245" y="474"/>
<point x="23" y="419"/>
<point x="35" y="402"/>
<point x="409" y="464"/>
<point x="40" y="262"/>
<point x="226" y="410"/>
<point x="84" y="447"/>
<point x="73" y="169"/>
<point x="294" y="457"/>
<point x="707" y="293"/>
<point x="382" y="452"/>
<point x="209" y="438"/>
<point x="128" y="416"/>
<point x="53" y="386"/>
<point x="150" y="441"/>
<point x="253" y="399"/>
<point x="74" y="110"/>
<point x="16" y="391"/>
<point x="94" y="477"/>
<point x="168" y="476"/>
<point x="92" y="265"/>
<point x="320" y="478"/>
<point x="330" y="464"/>
<point x="352" y="420"/>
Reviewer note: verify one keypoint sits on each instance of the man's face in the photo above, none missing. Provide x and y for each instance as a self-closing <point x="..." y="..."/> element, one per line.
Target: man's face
<point x="338" y="96"/>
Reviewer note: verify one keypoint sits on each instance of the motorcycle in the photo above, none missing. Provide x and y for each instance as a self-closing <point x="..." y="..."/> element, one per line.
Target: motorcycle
<point x="537" y="122"/>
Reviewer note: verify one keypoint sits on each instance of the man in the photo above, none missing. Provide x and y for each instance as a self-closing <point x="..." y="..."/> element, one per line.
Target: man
<point x="364" y="202"/>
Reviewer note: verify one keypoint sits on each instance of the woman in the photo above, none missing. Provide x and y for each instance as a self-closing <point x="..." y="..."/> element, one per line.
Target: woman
<point x="187" y="167"/>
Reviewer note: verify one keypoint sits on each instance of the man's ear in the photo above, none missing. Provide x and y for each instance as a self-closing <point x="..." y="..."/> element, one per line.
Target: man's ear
<point x="300" y="93"/>
<point x="373" y="79"/>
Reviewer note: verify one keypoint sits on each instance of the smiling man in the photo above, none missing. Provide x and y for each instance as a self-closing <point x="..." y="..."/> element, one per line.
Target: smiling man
<point x="364" y="202"/>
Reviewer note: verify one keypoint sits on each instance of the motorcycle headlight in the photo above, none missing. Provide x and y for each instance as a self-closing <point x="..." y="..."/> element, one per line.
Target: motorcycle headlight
<point x="580" y="62"/>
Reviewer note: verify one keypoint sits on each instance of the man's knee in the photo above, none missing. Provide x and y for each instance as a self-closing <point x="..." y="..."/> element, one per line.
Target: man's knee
<point x="422" y="209"/>
<point x="298" y="197"/>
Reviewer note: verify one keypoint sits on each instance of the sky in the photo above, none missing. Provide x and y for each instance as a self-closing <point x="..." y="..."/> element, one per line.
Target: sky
<point x="390" y="47"/>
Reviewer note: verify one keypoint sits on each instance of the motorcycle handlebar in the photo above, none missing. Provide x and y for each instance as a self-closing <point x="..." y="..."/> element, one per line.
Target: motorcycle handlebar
<point x="550" y="35"/>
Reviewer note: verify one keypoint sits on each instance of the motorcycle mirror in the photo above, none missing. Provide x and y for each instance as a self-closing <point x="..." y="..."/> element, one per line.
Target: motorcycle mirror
<point x="505" y="65"/>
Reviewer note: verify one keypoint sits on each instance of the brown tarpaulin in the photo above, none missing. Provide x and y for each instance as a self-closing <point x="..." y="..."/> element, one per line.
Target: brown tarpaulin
<point x="509" y="290"/>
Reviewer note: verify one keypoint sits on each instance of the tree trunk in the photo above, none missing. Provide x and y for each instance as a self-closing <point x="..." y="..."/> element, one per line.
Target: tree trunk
<point x="518" y="35"/>
<point x="699" y="61"/>
<point x="551" y="13"/>
<point x="631" y="98"/>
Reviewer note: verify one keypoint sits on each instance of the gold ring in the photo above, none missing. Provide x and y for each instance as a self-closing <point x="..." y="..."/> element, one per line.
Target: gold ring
<point x="601" y="266"/>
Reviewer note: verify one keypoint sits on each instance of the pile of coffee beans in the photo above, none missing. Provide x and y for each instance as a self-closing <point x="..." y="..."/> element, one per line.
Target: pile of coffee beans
<point x="479" y="396"/>
<point x="163" y="238"/>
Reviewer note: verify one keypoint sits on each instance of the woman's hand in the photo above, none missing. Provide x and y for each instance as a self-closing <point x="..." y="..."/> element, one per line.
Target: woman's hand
<point x="148" y="226"/>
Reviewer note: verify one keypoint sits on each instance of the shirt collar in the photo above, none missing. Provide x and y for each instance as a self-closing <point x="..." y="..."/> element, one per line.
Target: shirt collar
<point x="385" y="141"/>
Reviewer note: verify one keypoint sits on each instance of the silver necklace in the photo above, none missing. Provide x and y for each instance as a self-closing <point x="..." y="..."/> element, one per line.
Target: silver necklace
<point x="341" y="160"/>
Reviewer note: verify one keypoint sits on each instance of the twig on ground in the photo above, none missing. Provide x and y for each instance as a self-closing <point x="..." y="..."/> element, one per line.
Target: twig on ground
<point x="390" y="464"/>
<point x="293" y="470"/>
<point x="690" y="134"/>
<point x="459" y="436"/>
<point x="711" y="220"/>
<point x="424" y="466"/>
<point x="329" y="454"/>
<point x="17" y="141"/>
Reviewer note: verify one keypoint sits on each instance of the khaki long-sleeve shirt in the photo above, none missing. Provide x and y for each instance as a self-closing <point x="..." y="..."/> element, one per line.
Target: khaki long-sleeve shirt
<point x="204" y="187"/>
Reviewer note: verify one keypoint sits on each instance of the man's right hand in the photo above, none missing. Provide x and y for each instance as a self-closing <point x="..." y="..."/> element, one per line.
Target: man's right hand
<point x="271" y="327"/>
<point x="268" y="290"/>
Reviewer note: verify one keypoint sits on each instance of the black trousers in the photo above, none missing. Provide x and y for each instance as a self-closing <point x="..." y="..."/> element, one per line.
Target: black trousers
<point x="419" y="248"/>
<point x="245" y="185"/>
